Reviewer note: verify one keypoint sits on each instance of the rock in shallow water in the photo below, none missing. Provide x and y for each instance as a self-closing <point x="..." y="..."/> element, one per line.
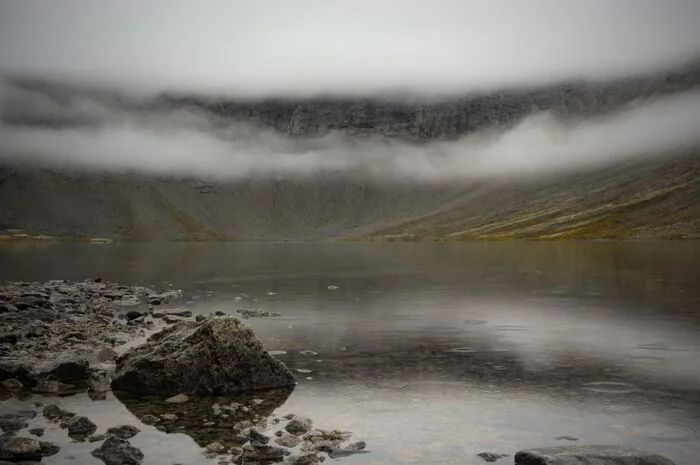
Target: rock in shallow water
<point x="589" y="455"/>
<point x="19" y="448"/>
<point x="118" y="451"/>
<point x="216" y="357"/>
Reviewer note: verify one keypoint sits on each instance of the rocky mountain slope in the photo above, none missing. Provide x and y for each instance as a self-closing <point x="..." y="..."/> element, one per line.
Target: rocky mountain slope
<point x="654" y="198"/>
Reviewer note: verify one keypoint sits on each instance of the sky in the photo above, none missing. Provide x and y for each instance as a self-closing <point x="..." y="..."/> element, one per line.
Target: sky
<point x="284" y="47"/>
<point x="272" y="48"/>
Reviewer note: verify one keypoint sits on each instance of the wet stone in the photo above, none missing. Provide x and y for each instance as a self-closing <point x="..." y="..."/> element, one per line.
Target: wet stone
<point x="262" y="452"/>
<point x="12" y="384"/>
<point x="149" y="419"/>
<point x="491" y="456"/>
<point x="298" y="425"/>
<point x="177" y="399"/>
<point x="124" y="431"/>
<point x="16" y="449"/>
<point x="288" y="440"/>
<point x="81" y="426"/>
<point x="118" y="451"/>
<point x="215" y="448"/>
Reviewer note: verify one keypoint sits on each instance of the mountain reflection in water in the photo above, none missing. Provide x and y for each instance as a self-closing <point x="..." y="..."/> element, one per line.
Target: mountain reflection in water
<point x="435" y="352"/>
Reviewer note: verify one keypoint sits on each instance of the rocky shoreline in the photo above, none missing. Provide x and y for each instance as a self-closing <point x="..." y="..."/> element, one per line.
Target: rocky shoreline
<point x="208" y="376"/>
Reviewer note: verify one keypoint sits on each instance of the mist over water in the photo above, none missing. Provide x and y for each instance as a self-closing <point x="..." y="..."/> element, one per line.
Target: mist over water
<point x="102" y="134"/>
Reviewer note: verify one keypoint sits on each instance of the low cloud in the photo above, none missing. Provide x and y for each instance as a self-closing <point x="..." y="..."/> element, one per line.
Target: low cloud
<point x="94" y="134"/>
<point x="246" y="48"/>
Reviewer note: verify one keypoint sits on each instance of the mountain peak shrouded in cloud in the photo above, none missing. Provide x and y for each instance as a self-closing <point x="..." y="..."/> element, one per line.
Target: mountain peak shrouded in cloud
<point x="275" y="47"/>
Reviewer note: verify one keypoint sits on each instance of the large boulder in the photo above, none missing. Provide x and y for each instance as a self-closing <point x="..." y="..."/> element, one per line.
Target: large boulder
<point x="216" y="357"/>
<point x="589" y="455"/>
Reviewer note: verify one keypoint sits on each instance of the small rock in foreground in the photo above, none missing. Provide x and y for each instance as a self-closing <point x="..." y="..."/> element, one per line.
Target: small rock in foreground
<point x="589" y="455"/>
<point x="491" y="456"/>
<point x="298" y="425"/>
<point x="118" y="451"/>
<point x="178" y="399"/>
<point x="124" y="431"/>
<point x="16" y="449"/>
<point x="200" y="359"/>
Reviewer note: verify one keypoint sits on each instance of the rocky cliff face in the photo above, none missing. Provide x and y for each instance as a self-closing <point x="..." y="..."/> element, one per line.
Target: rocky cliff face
<point x="417" y="120"/>
<point x="425" y="120"/>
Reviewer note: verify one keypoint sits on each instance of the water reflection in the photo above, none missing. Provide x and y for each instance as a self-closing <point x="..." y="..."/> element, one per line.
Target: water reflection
<point x="209" y="419"/>
<point x="435" y="352"/>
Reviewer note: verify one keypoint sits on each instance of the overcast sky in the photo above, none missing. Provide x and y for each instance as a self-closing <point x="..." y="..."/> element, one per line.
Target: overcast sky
<point x="259" y="47"/>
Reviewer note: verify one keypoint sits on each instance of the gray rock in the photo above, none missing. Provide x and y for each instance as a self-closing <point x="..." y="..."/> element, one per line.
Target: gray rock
<point x="124" y="431"/>
<point x="589" y="455"/>
<point x="12" y="425"/>
<point x="491" y="456"/>
<point x="215" y="357"/>
<point x="257" y="436"/>
<point x="133" y="314"/>
<point x="215" y="448"/>
<point x="261" y="452"/>
<point x="53" y="412"/>
<point x="106" y="354"/>
<point x="81" y="426"/>
<point x="306" y="459"/>
<point x="149" y="419"/>
<point x="288" y="440"/>
<point x="12" y="384"/>
<point x="118" y="451"/>
<point x="37" y="431"/>
<point x="180" y="313"/>
<point x="96" y="437"/>
<point x="298" y="425"/>
<point x="177" y="399"/>
<point x="6" y="307"/>
<point x="20" y="448"/>
<point x="50" y="386"/>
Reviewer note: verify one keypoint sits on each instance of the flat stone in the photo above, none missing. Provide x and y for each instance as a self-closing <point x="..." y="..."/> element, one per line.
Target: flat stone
<point x="177" y="399"/>
<point x="589" y="455"/>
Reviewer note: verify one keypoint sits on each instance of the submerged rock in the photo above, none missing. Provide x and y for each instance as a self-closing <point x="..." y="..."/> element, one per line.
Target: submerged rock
<point x="216" y="357"/>
<point x="589" y="455"/>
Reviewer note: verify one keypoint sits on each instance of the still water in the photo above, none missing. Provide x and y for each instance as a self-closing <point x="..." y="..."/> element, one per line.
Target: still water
<point x="435" y="352"/>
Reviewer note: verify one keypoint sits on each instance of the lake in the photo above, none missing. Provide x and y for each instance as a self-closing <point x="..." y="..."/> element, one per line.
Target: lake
<point x="434" y="352"/>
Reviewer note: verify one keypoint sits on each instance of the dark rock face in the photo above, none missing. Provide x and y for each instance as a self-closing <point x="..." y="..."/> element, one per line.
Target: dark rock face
<point x="118" y="451"/>
<point x="216" y="357"/>
<point x="589" y="455"/>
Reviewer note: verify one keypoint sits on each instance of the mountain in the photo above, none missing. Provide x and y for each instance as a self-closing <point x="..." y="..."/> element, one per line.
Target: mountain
<point x="644" y="198"/>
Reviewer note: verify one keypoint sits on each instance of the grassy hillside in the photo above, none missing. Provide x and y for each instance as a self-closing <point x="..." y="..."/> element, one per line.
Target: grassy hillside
<point x="652" y="199"/>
